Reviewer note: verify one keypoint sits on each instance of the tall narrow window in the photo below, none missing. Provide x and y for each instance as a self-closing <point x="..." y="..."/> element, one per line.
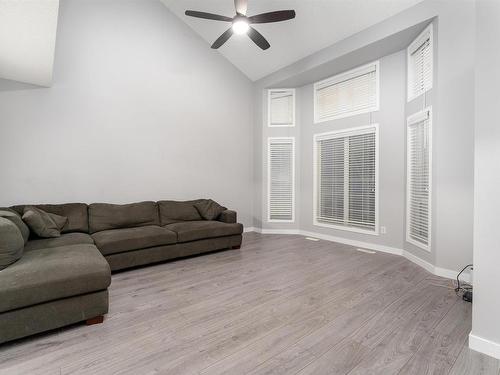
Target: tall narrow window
<point x="281" y="179"/>
<point x="418" y="194"/>
<point x="347" y="94"/>
<point x="281" y="107"/>
<point x="420" y="64"/>
<point x="346" y="175"/>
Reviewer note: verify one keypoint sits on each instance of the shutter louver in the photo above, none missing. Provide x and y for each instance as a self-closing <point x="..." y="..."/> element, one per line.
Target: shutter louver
<point x="346" y="178"/>
<point x="420" y="65"/>
<point x="348" y="94"/>
<point x="418" y="184"/>
<point x="281" y="178"/>
<point x="281" y="107"/>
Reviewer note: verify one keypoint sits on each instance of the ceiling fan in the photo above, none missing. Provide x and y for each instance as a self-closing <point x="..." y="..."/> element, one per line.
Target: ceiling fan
<point x="241" y="23"/>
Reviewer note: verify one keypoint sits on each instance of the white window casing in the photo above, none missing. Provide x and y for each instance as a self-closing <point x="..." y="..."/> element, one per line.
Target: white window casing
<point x="345" y="191"/>
<point x="281" y="179"/>
<point x="347" y="94"/>
<point x="281" y="107"/>
<point x="420" y="64"/>
<point x="419" y="179"/>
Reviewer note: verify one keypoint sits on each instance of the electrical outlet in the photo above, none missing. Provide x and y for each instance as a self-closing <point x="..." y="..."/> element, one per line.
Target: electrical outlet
<point x="383" y="230"/>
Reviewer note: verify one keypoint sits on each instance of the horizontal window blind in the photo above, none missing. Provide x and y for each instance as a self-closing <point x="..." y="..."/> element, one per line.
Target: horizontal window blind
<point x="420" y="64"/>
<point x="418" y="175"/>
<point x="281" y="107"/>
<point x="346" y="168"/>
<point x="347" y="94"/>
<point x="281" y="152"/>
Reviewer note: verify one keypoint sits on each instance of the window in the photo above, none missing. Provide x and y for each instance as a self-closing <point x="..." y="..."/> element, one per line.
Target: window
<point x="347" y="94"/>
<point x="420" y="64"/>
<point x="418" y="186"/>
<point x="346" y="179"/>
<point x="281" y="107"/>
<point x="281" y="179"/>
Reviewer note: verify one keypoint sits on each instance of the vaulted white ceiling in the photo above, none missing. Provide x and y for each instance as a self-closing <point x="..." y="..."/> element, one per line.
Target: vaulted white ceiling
<point x="318" y="24"/>
<point x="27" y="40"/>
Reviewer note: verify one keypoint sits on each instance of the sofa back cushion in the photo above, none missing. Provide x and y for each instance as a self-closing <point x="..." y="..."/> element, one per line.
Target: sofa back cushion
<point x="11" y="243"/>
<point x="174" y="211"/>
<point x="78" y="220"/>
<point x="105" y="216"/>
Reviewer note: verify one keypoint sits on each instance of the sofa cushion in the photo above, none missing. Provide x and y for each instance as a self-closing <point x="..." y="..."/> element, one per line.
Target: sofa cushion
<point x="13" y="216"/>
<point x="198" y="230"/>
<point x="127" y="239"/>
<point x="42" y="223"/>
<point x="209" y="209"/>
<point x="11" y="243"/>
<point x="50" y="274"/>
<point x="105" y="216"/>
<point x="76" y="213"/>
<point x="65" y="240"/>
<point x="174" y="211"/>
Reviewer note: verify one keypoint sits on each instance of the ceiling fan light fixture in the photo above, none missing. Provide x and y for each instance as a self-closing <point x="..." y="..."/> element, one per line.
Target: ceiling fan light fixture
<point x="241" y="26"/>
<point x="240" y="23"/>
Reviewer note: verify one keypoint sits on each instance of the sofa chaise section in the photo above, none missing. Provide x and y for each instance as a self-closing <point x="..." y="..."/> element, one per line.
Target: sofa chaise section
<point x="57" y="281"/>
<point x="52" y="287"/>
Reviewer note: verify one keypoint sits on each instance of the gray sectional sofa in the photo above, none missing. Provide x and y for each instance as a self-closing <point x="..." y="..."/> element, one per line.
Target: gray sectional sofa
<point x="64" y="280"/>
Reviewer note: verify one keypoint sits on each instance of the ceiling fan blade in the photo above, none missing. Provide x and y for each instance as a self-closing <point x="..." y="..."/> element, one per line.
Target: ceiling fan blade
<point x="278" y="16"/>
<point x="258" y="38"/>
<point x="208" y="16"/>
<point x="223" y="38"/>
<point x="241" y="6"/>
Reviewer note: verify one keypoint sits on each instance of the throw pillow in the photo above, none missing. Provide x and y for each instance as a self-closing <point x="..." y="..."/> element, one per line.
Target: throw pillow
<point x="16" y="219"/>
<point x="44" y="224"/>
<point x="11" y="243"/>
<point x="209" y="209"/>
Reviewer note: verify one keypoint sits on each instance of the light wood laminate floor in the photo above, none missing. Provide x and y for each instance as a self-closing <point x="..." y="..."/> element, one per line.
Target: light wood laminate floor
<point x="279" y="305"/>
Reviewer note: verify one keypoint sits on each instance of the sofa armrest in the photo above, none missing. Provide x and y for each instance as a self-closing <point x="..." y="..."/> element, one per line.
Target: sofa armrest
<point x="227" y="216"/>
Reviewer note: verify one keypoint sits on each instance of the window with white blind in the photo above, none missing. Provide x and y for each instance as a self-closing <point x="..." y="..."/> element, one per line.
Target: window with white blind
<point x="347" y="94"/>
<point x="281" y="179"/>
<point x="346" y="178"/>
<point x="420" y="64"/>
<point x="281" y="107"/>
<point x="418" y="185"/>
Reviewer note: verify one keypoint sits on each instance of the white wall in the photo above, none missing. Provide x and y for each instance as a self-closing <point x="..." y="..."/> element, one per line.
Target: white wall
<point x="485" y="334"/>
<point x="140" y="108"/>
<point x="27" y="40"/>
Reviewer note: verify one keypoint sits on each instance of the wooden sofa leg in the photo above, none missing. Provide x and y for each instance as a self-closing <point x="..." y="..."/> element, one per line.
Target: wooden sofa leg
<point x="235" y="247"/>
<point x="95" y="320"/>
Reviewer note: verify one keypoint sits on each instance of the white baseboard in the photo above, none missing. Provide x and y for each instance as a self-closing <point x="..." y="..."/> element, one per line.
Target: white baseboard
<point x="438" y="271"/>
<point x="484" y="346"/>
<point x="450" y="274"/>
<point x="366" y="245"/>
<point x="419" y="261"/>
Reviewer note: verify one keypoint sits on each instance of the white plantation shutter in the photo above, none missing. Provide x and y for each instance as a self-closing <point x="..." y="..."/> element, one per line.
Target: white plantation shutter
<point x="281" y="107"/>
<point x="420" y="64"/>
<point x="418" y="179"/>
<point x="346" y="175"/>
<point x="347" y="94"/>
<point x="281" y="152"/>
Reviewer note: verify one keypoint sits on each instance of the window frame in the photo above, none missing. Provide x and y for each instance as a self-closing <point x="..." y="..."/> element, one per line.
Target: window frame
<point x="418" y="41"/>
<point x="345" y="76"/>
<point x="412" y="120"/>
<point x="269" y="141"/>
<point x="269" y="92"/>
<point x="340" y="134"/>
